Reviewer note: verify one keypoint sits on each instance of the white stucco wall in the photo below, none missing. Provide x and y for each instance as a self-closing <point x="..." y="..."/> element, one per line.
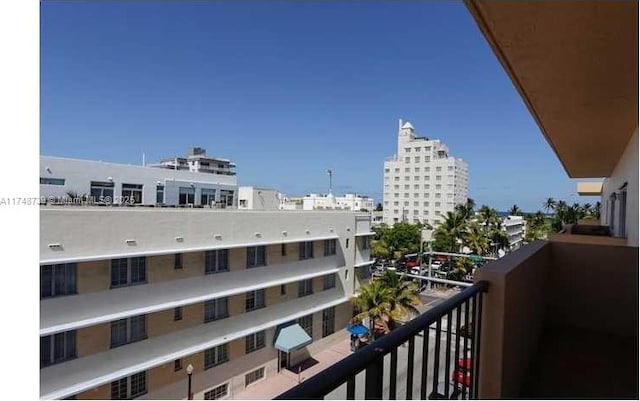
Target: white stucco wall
<point x="626" y="171"/>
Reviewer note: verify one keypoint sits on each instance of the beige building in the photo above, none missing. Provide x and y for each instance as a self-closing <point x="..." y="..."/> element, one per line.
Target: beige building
<point x="130" y="297"/>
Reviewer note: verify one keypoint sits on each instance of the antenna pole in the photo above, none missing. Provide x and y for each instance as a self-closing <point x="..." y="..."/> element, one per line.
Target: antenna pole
<point x="330" y="180"/>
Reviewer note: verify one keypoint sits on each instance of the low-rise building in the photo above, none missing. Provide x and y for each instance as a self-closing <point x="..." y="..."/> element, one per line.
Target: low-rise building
<point x="64" y="180"/>
<point x="255" y="198"/>
<point x="514" y="227"/>
<point x="131" y="297"/>
<point x="353" y="202"/>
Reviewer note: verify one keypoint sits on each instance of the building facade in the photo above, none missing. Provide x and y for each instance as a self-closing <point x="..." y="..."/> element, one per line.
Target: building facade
<point x="198" y="161"/>
<point x="514" y="226"/>
<point x="422" y="182"/>
<point x="111" y="183"/>
<point x="351" y="202"/>
<point x="254" y="198"/>
<point x="130" y="297"/>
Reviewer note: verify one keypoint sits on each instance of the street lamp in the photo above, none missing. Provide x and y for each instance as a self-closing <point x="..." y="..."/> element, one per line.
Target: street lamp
<point x="189" y="373"/>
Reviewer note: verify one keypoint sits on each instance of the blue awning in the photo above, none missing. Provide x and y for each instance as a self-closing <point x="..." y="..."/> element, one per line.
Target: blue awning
<point x="357" y="329"/>
<point x="291" y="338"/>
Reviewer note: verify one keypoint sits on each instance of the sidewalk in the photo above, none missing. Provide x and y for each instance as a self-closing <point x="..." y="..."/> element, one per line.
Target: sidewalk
<point x="283" y="381"/>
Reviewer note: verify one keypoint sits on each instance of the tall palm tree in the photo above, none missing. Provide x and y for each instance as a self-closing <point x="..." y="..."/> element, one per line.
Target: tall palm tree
<point x="374" y="303"/>
<point x="476" y="239"/>
<point x="450" y="230"/>
<point x="515" y="211"/>
<point x="404" y="297"/>
<point x="549" y="204"/>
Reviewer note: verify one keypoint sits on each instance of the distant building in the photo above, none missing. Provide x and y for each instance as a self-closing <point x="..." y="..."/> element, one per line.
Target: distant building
<point x="254" y="198"/>
<point x="99" y="182"/>
<point x="422" y="182"/>
<point x="198" y="161"/>
<point x="514" y="227"/>
<point x="351" y="202"/>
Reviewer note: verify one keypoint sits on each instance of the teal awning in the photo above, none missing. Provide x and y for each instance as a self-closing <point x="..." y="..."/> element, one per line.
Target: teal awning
<point x="291" y="338"/>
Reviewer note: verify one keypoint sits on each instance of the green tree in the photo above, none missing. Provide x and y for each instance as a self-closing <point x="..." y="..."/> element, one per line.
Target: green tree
<point x="379" y="207"/>
<point x="515" y="211"/>
<point x="549" y="204"/>
<point x="463" y="266"/>
<point x="404" y="296"/>
<point x="374" y="303"/>
<point x="449" y="232"/>
<point x="475" y="239"/>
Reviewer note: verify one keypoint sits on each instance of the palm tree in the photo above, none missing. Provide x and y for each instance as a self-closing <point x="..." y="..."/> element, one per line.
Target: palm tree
<point x="596" y="210"/>
<point x="404" y="297"/>
<point x="374" y="303"/>
<point x="515" y="211"/>
<point x="450" y="231"/>
<point x="549" y="204"/>
<point x="476" y="239"/>
<point x="463" y="266"/>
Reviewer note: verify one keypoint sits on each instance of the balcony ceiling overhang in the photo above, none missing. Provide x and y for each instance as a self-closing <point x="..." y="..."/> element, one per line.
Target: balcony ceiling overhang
<point x="575" y="65"/>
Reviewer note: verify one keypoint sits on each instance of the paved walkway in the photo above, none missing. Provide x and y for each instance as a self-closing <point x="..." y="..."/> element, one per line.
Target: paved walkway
<point x="283" y="381"/>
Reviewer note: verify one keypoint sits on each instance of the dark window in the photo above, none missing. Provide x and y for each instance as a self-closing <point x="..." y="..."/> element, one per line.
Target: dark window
<point x="254" y="376"/>
<point x="305" y="287"/>
<point x="160" y="194"/>
<point x="102" y="192"/>
<point x="215" y="309"/>
<point x="129" y="387"/>
<point x="207" y="196"/>
<point x="177" y="261"/>
<point x="52" y="181"/>
<point x="57" y="347"/>
<point x="283" y="289"/>
<point x="255" y="341"/>
<point x="329" y="281"/>
<point x="329" y="247"/>
<point x="306" y="250"/>
<point x="347" y="243"/>
<point x="132" y="193"/>
<point x="328" y="321"/>
<point x="283" y="249"/>
<point x="128" y="271"/>
<point x="216" y="356"/>
<point x="56" y="280"/>
<point x="306" y="322"/>
<point x="256" y="256"/>
<point x="177" y="313"/>
<point x="129" y="330"/>
<point x="177" y="365"/>
<point x="186" y="195"/>
<point x="254" y="300"/>
<point x="216" y="261"/>
<point x="218" y="392"/>
<point x="366" y="243"/>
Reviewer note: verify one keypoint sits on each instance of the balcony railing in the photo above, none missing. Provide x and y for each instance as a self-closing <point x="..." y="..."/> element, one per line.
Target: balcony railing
<point x="452" y="374"/>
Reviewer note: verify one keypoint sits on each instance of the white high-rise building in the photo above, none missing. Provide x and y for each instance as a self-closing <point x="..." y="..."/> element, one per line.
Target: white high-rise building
<point x="422" y="182"/>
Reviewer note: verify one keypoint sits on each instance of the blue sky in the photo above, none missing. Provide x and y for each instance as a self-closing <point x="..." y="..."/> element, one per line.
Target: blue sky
<point x="288" y="90"/>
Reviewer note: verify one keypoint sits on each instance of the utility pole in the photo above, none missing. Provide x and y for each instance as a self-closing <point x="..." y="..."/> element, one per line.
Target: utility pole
<point x="330" y="181"/>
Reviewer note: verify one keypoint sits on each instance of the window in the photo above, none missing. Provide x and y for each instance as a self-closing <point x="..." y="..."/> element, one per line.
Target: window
<point x="329" y="247"/>
<point x="306" y="322"/>
<point x="129" y="330"/>
<point x="216" y="356"/>
<point x="186" y="195"/>
<point x="226" y="198"/>
<point x="177" y="261"/>
<point x="417" y="169"/>
<point x="306" y="250"/>
<point x="427" y="178"/>
<point x="216" y="261"/>
<point x="329" y="281"/>
<point x="305" y="287"/>
<point x="177" y="313"/>
<point x="366" y="242"/>
<point x="406" y="203"/>
<point x="254" y="376"/>
<point x="407" y="186"/>
<point x="417" y="149"/>
<point x="397" y="170"/>
<point x="177" y="365"/>
<point x="217" y="392"/>
<point x="417" y="159"/>
<point x="128" y="271"/>
<point x="328" y="321"/>
<point x="416" y="186"/>
<point x="406" y="194"/>
<point x="407" y="177"/>
<point x="254" y="342"/>
<point x="283" y="249"/>
<point x="407" y="150"/>
<point x="347" y="241"/>
<point x="283" y="289"/>
<point x="438" y="168"/>
<point x="207" y="196"/>
<point x="51" y="181"/>
<point x="132" y="193"/>
<point x="57" y="348"/>
<point x="216" y="309"/>
<point x="407" y="169"/>
<point x="407" y="160"/>
<point x="438" y="177"/>
<point x="254" y="300"/>
<point x="160" y="194"/>
<point x="56" y="280"/>
<point x="438" y="186"/>
<point x="256" y="256"/>
<point x="102" y="192"/>
<point x="129" y="387"/>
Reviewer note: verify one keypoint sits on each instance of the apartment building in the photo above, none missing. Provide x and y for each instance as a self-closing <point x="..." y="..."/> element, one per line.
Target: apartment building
<point x="122" y="184"/>
<point x="422" y="182"/>
<point x="198" y="161"/>
<point x="513" y="226"/>
<point x="131" y="297"/>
